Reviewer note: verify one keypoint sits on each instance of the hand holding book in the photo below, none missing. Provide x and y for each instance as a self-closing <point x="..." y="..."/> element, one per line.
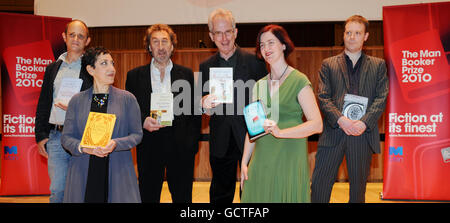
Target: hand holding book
<point x="354" y="108"/>
<point x="255" y="117"/>
<point x="101" y="151"/>
<point x="271" y="127"/>
<point x="208" y="101"/>
<point x="61" y="105"/>
<point x="221" y="84"/>
<point x="151" y="124"/>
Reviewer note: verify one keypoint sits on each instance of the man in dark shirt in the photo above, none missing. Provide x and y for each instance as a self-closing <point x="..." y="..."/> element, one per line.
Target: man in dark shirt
<point x="356" y="74"/>
<point x="165" y="149"/>
<point x="353" y="71"/>
<point x="227" y="125"/>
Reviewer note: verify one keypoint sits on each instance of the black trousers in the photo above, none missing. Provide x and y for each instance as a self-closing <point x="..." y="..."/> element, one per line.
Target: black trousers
<point x="162" y="155"/>
<point x="358" y="155"/>
<point x="224" y="172"/>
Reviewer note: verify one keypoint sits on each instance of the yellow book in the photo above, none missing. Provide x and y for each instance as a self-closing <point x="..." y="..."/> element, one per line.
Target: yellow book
<point x="98" y="130"/>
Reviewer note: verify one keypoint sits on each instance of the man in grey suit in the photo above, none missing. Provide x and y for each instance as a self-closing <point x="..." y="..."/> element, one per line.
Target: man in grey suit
<point x="350" y="73"/>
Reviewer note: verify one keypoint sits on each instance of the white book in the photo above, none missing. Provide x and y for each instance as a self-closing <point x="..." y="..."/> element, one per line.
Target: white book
<point x="354" y="106"/>
<point x="161" y="108"/>
<point x="221" y="84"/>
<point x="68" y="88"/>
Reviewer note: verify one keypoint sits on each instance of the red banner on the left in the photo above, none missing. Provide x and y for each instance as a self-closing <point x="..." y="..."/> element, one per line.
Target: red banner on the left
<point x="32" y="43"/>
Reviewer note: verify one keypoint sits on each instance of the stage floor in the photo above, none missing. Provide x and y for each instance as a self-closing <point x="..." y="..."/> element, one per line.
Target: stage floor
<point x="200" y="194"/>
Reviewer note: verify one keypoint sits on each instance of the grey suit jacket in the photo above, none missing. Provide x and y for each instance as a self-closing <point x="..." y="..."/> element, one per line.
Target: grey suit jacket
<point x="127" y="133"/>
<point x="334" y="84"/>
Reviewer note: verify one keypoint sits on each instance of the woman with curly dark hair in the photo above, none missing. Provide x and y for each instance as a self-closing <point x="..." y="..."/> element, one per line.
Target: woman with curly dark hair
<point x="102" y="174"/>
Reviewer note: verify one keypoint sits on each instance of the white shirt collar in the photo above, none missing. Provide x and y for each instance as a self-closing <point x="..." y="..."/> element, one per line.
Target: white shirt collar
<point x="63" y="57"/>
<point x="158" y="85"/>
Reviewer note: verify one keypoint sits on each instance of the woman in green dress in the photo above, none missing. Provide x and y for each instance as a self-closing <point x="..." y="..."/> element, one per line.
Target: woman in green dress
<point x="278" y="171"/>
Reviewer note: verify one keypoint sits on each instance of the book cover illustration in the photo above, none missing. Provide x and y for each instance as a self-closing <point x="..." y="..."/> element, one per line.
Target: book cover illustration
<point x="161" y="108"/>
<point x="98" y="130"/>
<point x="354" y="106"/>
<point x="221" y="84"/>
<point x="255" y="115"/>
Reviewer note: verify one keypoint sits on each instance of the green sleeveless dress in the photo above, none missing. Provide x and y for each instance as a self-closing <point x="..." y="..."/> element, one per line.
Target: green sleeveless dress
<point x="278" y="171"/>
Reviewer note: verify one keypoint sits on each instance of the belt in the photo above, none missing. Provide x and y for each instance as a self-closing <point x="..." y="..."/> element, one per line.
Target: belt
<point x="57" y="127"/>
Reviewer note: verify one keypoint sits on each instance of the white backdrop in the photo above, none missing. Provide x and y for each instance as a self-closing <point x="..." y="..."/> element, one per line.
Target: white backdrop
<point x="98" y="13"/>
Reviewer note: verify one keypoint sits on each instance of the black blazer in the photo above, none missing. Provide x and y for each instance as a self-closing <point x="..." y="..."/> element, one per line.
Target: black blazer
<point x="334" y="84"/>
<point x="42" y="127"/>
<point x="186" y="126"/>
<point x="248" y="67"/>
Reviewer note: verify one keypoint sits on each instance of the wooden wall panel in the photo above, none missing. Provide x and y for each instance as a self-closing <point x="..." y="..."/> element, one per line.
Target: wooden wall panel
<point x="132" y="37"/>
<point x="303" y="34"/>
<point x="308" y="60"/>
<point x="17" y="6"/>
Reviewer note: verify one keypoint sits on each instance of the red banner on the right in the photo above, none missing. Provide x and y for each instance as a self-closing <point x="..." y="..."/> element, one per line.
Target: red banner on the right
<point x="417" y="143"/>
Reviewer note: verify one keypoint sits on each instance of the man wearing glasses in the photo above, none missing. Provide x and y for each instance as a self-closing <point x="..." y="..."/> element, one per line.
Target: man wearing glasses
<point x="227" y="125"/>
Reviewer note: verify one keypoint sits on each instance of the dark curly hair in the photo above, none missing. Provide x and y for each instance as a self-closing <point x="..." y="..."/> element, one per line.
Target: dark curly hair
<point x="91" y="55"/>
<point x="155" y="28"/>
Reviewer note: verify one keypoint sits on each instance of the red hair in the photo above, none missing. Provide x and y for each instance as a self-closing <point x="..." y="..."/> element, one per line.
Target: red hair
<point x="281" y="35"/>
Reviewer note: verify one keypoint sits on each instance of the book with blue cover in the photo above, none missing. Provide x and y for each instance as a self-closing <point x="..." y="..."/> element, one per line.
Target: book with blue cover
<point x="255" y="115"/>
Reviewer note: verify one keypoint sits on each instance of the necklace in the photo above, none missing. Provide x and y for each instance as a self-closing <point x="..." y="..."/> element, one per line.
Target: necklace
<point x="101" y="101"/>
<point x="274" y="84"/>
<point x="281" y="74"/>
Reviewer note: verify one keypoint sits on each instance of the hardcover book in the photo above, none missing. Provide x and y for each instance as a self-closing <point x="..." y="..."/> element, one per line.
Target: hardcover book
<point x="161" y="108"/>
<point x="354" y="106"/>
<point x="221" y="84"/>
<point x="68" y="88"/>
<point x="255" y="115"/>
<point x="98" y="130"/>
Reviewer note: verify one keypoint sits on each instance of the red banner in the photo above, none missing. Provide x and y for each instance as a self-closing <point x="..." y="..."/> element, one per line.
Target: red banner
<point x="27" y="44"/>
<point x="417" y="145"/>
